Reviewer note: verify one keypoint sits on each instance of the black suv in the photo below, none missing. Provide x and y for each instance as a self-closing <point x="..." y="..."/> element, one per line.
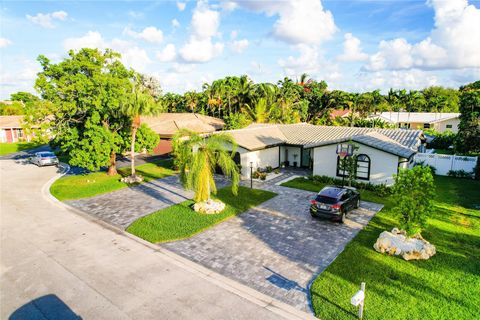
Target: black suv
<point x="334" y="202"/>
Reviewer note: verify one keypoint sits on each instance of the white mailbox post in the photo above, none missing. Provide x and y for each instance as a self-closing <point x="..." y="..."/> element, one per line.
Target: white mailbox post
<point x="358" y="300"/>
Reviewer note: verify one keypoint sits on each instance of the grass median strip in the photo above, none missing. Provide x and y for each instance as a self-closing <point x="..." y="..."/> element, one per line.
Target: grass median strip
<point x="180" y="221"/>
<point x="96" y="183"/>
<point x="445" y="287"/>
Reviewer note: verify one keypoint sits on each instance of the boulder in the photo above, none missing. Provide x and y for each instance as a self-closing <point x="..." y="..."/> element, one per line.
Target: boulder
<point x="132" y="179"/>
<point x="209" y="206"/>
<point x="397" y="243"/>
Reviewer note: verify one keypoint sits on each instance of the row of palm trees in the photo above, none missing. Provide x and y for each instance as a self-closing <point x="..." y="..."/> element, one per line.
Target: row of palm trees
<point x="305" y="99"/>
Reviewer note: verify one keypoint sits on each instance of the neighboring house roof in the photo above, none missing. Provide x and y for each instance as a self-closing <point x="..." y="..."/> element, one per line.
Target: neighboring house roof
<point x="339" y="113"/>
<point x="420" y="117"/>
<point x="396" y="141"/>
<point x="167" y="124"/>
<point x="11" y="121"/>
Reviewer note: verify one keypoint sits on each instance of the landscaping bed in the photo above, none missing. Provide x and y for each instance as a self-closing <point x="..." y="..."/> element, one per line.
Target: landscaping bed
<point x="447" y="286"/>
<point x="180" y="221"/>
<point x="96" y="183"/>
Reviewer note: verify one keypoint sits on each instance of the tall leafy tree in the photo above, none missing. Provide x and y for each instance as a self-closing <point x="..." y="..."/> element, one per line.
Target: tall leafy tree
<point x="468" y="137"/>
<point x="414" y="190"/>
<point x="197" y="158"/>
<point x="86" y="91"/>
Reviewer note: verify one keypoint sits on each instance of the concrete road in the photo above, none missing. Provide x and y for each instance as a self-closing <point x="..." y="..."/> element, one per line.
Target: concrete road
<point x="56" y="264"/>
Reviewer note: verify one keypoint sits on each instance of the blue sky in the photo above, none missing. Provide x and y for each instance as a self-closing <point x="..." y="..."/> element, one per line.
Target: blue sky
<point x="353" y="45"/>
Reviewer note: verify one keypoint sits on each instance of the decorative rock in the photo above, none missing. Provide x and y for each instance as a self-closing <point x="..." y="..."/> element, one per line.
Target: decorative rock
<point x="132" y="179"/>
<point x="209" y="207"/>
<point x="397" y="243"/>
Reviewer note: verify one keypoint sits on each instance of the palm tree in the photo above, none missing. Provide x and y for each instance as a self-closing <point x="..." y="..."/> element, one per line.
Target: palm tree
<point x="140" y="103"/>
<point x="197" y="157"/>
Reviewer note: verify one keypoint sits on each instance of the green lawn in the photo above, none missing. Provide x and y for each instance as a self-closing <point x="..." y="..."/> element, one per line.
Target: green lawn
<point x="180" y="221"/>
<point x="445" y="287"/>
<point x="92" y="184"/>
<point x="6" y="148"/>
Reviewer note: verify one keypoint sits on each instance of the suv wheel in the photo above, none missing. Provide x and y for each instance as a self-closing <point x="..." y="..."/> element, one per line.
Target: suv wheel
<point x="343" y="217"/>
<point x="357" y="204"/>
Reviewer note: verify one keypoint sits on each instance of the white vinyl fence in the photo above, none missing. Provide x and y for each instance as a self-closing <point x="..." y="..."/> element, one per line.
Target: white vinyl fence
<point x="444" y="162"/>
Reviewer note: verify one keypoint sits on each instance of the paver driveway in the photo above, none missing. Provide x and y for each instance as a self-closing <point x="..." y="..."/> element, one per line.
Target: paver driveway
<point x="277" y="247"/>
<point x="120" y="208"/>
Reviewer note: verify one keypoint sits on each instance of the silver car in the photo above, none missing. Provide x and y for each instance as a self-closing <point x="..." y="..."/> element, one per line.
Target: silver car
<point x="44" y="158"/>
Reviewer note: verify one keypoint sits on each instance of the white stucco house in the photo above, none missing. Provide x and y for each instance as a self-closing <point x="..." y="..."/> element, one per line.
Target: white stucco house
<point x="422" y="120"/>
<point x="381" y="152"/>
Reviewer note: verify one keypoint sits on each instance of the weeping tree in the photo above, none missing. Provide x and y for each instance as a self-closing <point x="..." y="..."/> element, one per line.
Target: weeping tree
<point x="197" y="157"/>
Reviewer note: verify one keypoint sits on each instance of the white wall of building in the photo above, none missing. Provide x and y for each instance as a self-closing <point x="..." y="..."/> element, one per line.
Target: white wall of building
<point x="382" y="165"/>
<point x="260" y="159"/>
<point x="442" y="125"/>
<point x="292" y="151"/>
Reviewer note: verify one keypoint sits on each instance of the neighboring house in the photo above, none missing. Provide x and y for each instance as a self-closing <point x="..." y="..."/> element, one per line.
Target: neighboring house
<point x="339" y="113"/>
<point x="422" y="120"/>
<point x="11" y="129"/>
<point x="381" y="152"/>
<point x="167" y="124"/>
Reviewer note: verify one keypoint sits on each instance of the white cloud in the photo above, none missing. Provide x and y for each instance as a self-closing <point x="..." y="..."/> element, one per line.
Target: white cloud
<point x="4" y="42"/>
<point x="181" y="5"/>
<point x="135" y="14"/>
<point x="203" y="27"/>
<point x="228" y="5"/>
<point x="397" y="79"/>
<point x="167" y="54"/>
<point x="46" y="19"/>
<point x="132" y="56"/>
<point x="233" y="34"/>
<point x="352" y="50"/>
<point x="306" y="62"/>
<point x="92" y="39"/>
<point x="452" y="43"/>
<point x="239" y="46"/>
<point x="299" y="21"/>
<point x="149" y="34"/>
<point x="18" y="76"/>
<point x="175" y="23"/>
<point x="200" y="50"/>
<point x="182" y="68"/>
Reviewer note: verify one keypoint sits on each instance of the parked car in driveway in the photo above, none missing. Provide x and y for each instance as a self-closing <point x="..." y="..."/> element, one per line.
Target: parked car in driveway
<point x="335" y="202"/>
<point x="44" y="158"/>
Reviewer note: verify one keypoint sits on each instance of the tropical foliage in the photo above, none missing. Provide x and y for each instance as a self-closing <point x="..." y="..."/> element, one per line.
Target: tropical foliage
<point x="240" y="101"/>
<point x="198" y="157"/>
<point x="413" y="191"/>
<point x="468" y="138"/>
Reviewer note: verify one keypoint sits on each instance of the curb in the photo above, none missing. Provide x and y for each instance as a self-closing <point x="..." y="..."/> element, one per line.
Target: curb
<point x="280" y="308"/>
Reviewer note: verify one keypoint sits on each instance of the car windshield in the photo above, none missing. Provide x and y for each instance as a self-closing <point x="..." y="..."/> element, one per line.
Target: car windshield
<point x="326" y="200"/>
<point x="47" y="155"/>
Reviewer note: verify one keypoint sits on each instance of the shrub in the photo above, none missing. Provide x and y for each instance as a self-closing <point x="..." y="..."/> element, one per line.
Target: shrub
<point x="380" y="189"/>
<point x="422" y="164"/>
<point x="443" y="140"/>
<point x="461" y="174"/>
<point x="276" y="171"/>
<point x="263" y="176"/>
<point x="256" y="175"/>
<point x="268" y="169"/>
<point x="413" y="193"/>
<point x="477" y="170"/>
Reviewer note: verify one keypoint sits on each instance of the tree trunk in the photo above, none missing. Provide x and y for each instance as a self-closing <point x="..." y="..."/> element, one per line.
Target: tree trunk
<point x="112" y="169"/>
<point x="132" y="150"/>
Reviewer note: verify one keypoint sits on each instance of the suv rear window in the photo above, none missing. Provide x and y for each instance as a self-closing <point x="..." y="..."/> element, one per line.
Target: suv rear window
<point x="326" y="200"/>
